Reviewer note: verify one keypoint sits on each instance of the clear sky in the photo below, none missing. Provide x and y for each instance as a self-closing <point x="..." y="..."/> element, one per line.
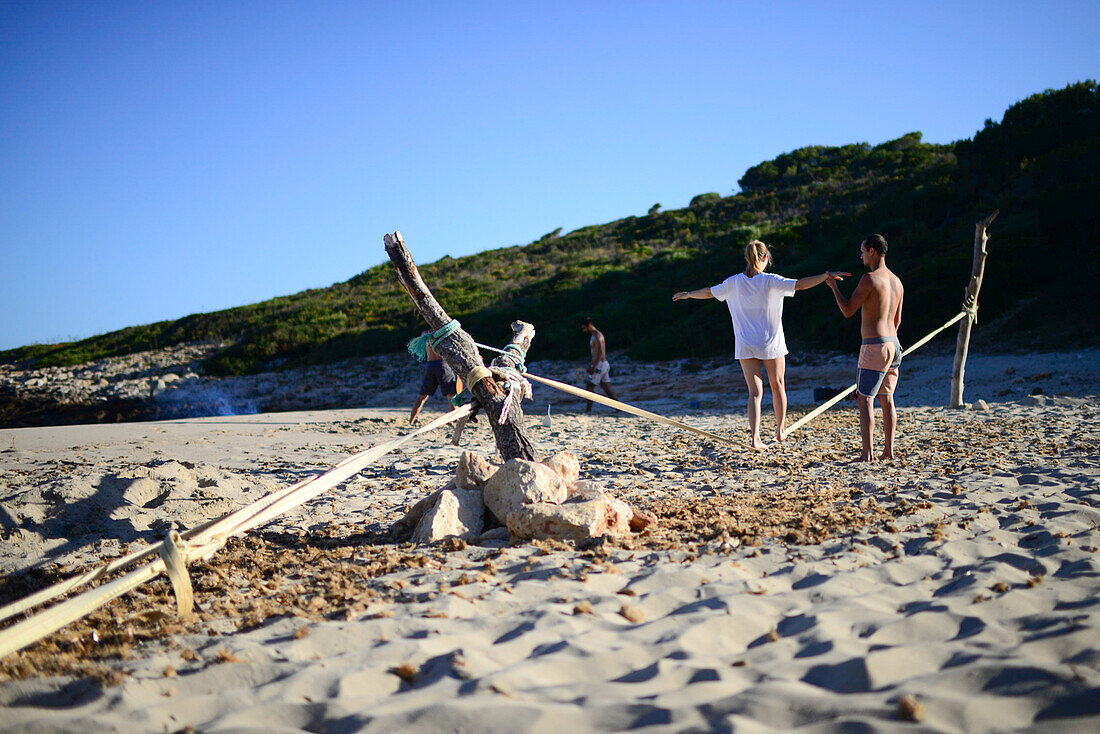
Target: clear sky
<point x="165" y="158"/>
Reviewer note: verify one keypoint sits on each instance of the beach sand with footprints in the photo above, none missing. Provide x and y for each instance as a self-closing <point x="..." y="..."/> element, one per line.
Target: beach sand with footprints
<point x="952" y="589"/>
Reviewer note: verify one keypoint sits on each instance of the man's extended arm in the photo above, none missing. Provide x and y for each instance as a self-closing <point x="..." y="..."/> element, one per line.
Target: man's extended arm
<point x="701" y="294"/>
<point x="850" y="306"/>
<point x="810" y="281"/>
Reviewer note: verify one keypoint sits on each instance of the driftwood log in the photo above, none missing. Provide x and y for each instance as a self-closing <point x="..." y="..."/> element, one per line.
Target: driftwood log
<point x="970" y="304"/>
<point x="461" y="354"/>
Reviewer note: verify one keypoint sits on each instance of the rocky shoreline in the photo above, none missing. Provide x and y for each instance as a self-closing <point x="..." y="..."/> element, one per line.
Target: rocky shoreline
<point x="170" y="383"/>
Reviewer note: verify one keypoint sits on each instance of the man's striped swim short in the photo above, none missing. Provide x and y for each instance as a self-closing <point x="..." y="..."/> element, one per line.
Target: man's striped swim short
<point x="879" y="359"/>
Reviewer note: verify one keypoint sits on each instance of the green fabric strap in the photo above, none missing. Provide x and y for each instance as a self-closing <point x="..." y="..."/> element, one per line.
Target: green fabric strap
<point x="418" y="346"/>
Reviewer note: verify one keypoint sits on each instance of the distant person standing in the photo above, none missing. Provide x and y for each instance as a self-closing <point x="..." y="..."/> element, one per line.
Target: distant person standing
<point x="879" y="296"/>
<point x="755" y="302"/>
<point x="437" y="374"/>
<point x="599" y="369"/>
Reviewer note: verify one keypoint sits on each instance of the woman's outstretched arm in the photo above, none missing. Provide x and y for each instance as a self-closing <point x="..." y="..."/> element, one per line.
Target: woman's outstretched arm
<point x="702" y="294"/>
<point x="810" y="281"/>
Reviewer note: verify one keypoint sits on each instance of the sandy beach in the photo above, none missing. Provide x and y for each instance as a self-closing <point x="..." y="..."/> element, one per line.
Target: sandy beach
<point x="953" y="589"/>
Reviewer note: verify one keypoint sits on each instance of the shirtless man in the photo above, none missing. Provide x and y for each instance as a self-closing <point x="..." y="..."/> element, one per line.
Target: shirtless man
<point x="879" y="295"/>
<point x="600" y="369"/>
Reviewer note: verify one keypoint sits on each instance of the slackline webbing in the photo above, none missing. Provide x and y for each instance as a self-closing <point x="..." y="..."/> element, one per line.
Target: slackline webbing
<point x="851" y="388"/>
<point x="628" y="408"/>
<point x="669" y="421"/>
<point x="515" y="353"/>
<point x="199" y="544"/>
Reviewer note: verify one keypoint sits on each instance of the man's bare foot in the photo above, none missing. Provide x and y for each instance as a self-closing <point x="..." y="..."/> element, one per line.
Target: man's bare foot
<point x="866" y="457"/>
<point x="886" y="455"/>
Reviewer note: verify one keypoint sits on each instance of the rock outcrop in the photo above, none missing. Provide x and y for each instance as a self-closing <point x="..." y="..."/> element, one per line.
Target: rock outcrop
<point x="521" y="482"/>
<point x="532" y="500"/>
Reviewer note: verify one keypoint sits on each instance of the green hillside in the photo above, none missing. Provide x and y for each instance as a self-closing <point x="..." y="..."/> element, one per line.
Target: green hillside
<point x="1040" y="165"/>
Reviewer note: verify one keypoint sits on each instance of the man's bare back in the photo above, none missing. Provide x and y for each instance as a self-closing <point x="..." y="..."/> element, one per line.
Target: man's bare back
<point x="882" y="308"/>
<point x="598" y="346"/>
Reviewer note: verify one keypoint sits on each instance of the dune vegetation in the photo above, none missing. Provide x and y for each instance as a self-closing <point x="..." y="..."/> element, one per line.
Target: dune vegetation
<point x="1039" y="165"/>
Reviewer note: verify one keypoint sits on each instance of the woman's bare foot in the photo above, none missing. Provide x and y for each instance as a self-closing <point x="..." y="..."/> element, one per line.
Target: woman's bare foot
<point x="781" y="434"/>
<point x="758" y="445"/>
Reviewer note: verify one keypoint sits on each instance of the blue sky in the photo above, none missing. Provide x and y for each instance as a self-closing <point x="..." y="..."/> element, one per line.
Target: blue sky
<point x="167" y="158"/>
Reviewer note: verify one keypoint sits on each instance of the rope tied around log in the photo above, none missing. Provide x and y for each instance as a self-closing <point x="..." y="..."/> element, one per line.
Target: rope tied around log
<point x="417" y="346"/>
<point x="519" y="389"/>
<point x="477" y="374"/>
<point x="970" y="303"/>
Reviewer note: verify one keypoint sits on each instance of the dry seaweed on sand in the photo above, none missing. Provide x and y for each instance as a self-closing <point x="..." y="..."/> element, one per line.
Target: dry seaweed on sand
<point x="804" y="491"/>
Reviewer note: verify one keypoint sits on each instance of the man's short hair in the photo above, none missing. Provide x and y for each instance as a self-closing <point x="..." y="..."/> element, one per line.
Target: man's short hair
<point x="877" y="243"/>
<point x="586" y="321"/>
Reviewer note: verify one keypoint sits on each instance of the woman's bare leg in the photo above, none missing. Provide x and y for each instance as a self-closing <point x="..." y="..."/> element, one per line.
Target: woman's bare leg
<point x="777" y="369"/>
<point x="755" y="383"/>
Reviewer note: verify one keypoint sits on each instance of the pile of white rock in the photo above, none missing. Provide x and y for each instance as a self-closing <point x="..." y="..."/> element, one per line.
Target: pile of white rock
<point x="521" y="500"/>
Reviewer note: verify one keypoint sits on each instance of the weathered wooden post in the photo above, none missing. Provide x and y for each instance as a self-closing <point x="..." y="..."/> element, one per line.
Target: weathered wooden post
<point x="462" y="355"/>
<point x="970" y="303"/>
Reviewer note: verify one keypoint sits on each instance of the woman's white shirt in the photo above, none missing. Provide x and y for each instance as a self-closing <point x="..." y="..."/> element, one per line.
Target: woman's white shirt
<point x="756" y="309"/>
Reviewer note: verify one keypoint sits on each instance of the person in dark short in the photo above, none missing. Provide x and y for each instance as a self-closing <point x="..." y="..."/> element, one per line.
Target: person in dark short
<point x="437" y="375"/>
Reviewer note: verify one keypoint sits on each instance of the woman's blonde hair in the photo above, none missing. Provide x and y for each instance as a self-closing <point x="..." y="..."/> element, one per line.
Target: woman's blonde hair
<point x="756" y="251"/>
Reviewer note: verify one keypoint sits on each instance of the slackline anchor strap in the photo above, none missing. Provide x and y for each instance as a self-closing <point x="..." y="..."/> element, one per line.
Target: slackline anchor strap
<point x="172" y="552"/>
<point x="204" y="542"/>
<point x="852" y="388"/>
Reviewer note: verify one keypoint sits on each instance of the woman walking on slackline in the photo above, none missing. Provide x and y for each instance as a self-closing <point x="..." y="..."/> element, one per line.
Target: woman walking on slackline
<point x="755" y="301"/>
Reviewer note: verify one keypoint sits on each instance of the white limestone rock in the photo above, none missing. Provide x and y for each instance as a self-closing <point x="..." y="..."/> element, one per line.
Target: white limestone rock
<point x="456" y="512"/>
<point x="521" y="482"/>
<point x="473" y="470"/>
<point x="416" y="512"/>
<point x="574" y="520"/>
<point x="567" y="465"/>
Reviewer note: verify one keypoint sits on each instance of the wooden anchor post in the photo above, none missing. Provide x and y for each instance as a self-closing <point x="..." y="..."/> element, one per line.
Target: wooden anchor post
<point x="970" y="303"/>
<point x="461" y="354"/>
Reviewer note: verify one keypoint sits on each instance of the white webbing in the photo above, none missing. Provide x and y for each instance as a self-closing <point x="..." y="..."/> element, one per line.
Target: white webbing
<point x="851" y="388"/>
<point x="203" y="543"/>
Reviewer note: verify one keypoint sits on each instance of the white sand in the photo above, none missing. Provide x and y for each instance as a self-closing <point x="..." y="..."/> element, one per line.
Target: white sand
<point x="981" y="602"/>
